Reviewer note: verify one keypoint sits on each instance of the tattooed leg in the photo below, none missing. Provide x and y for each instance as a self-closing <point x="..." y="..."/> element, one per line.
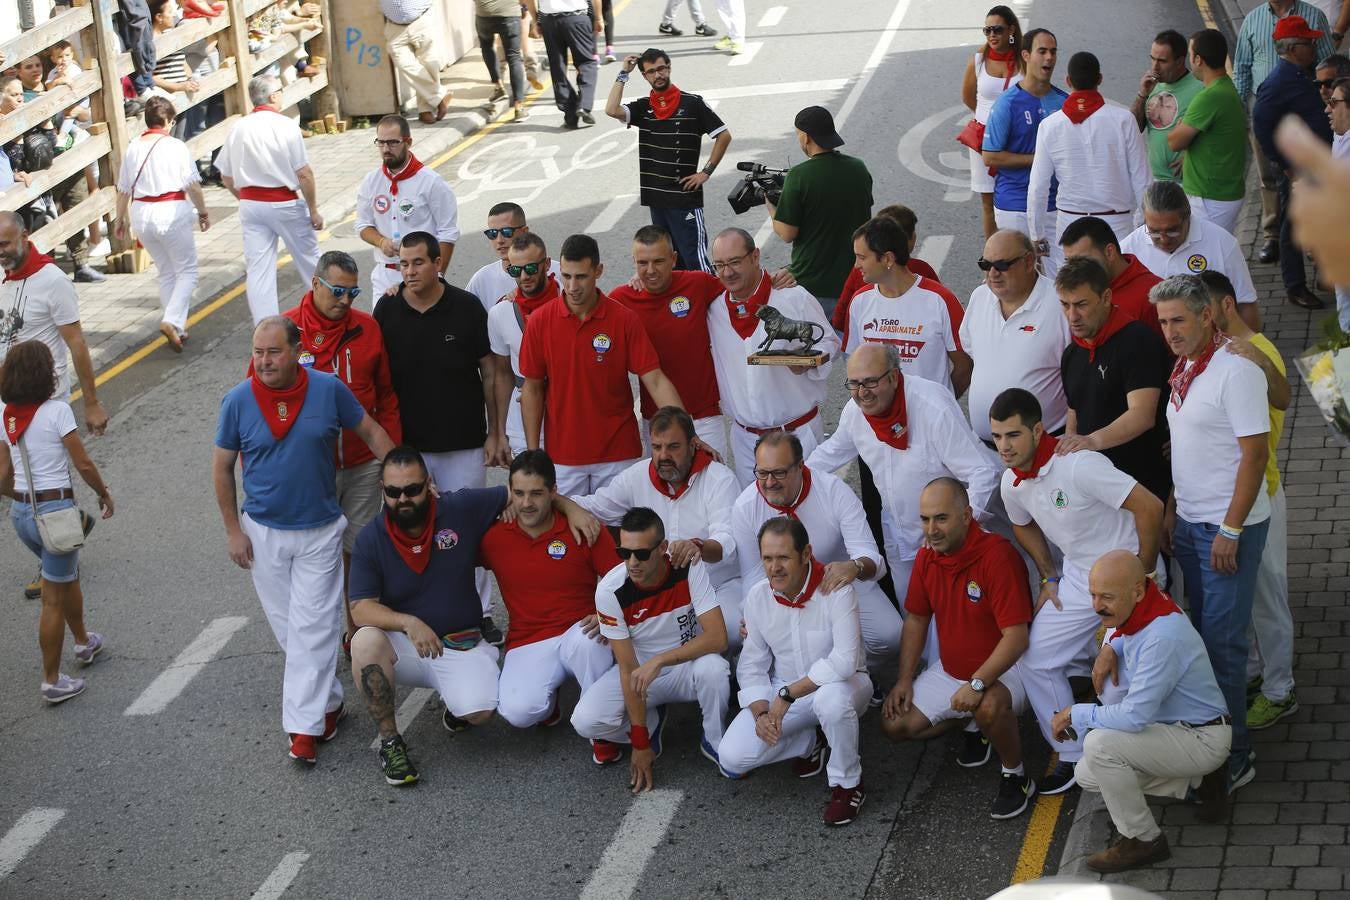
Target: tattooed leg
<point x="378" y="690"/>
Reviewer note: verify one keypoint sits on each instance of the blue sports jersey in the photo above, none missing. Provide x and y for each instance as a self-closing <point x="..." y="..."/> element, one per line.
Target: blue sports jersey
<point x="1012" y="127"/>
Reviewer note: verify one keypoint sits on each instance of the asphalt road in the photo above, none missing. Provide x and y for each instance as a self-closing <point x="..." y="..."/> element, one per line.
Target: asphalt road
<point x="195" y="795"/>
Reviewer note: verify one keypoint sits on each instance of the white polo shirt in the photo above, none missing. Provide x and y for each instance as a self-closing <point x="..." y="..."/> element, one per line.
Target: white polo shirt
<point x="263" y="149"/>
<point x="659" y="622"/>
<point x="1207" y="246"/>
<point x="921" y="323"/>
<point x="490" y="283"/>
<point x="504" y="337"/>
<point x="1227" y="401"/>
<point x="1076" y="501"/>
<point x="35" y="308"/>
<point x="424" y="202"/>
<point x="1022" y="350"/>
<point x="940" y="443"/>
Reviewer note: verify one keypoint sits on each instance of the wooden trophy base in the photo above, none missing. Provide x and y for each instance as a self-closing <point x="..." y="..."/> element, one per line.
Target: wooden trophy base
<point x="813" y="360"/>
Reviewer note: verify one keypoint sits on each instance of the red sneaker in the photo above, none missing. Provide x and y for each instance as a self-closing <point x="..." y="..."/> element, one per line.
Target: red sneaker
<point x="603" y="753"/>
<point x="844" y="805"/>
<point x="330" y="722"/>
<point x="554" y="715"/>
<point x="812" y="763"/>
<point x="303" y="748"/>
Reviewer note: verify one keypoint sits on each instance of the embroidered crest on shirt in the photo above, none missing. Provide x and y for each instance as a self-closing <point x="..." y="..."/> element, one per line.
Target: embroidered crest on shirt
<point x="973" y="592"/>
<point x="600" y="344"/>
<point x="282" y="410"/>
<point x="306" y="358"/>
<point x="1197" y="263"/>
<point x="1029" y="329"/>
<point x="557" y="549"/>
<point x="405" y="206"/>
<point x="1060" y="501"/>
<point x="679" y="307"/>
<point x="445" y="539"/>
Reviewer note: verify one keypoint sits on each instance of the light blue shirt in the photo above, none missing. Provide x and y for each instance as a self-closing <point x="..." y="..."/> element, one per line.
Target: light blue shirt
<point x="1255" y="56"/>
<point x="1169" y="677"/>
<point x="404" y="12"/>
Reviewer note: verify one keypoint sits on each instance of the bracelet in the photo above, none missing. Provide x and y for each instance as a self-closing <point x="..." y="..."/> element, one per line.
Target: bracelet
<point x="1230" y="532"/>
<point x="1054" y="580"/>
<point x="640" y="738"/>
<point x="709" y="170"/>
<point x="623" y="78"/>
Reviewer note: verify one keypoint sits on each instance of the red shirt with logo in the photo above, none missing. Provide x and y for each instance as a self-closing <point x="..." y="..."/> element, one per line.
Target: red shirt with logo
<point x="676" y="320"/>
<point x="588" y="407"/>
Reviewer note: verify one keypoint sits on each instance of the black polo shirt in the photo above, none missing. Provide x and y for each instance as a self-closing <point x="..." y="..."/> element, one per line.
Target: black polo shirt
<point x="668" y="149"/>
<point x="433" y="363"/>
<point x="1131" y="359"/>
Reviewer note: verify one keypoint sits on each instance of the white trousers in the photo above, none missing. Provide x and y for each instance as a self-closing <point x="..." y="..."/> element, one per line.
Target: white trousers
<point x="582" y="481"/>
<point x="298" y="577"/>
<point x="834" y="707"/>
<point x="415" y="52"/>
<point x="1006" y="218"/>
<point x="455" y="469"/>
<point x="1223" y="213"/>
<point x="381" y="280"/>
<point x="532" y="674"/>
<point x="1165" y="760"/>
<point x="465" y="679"/>
<point x="743" y="447"/>
<point x="1271" y="633"/>
<point x="732" y="13"/>
<point x="262" y="222"/>
<point x="167" y="230"/>
<point x="881" y="622"/>
<point x="729" y="596"/>
<point x="1061" y="640"/>
<point x="601" y="714"/>
<point x="711" y="430"/>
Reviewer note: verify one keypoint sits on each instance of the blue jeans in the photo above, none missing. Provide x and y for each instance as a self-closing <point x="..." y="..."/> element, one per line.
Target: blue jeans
<point x="56" y="567"/>
<point x="1221" y="607"/>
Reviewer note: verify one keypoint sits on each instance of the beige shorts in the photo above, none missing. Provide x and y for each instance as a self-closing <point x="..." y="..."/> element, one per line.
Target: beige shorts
<point x="358" y="493"/>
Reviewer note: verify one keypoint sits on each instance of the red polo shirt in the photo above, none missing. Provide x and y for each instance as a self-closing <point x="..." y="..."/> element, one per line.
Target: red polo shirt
<point x="1130" y="290"/>
<point x="676" y="320"/>
<point x="548" y="582"/>
<point x="588" y="407"/>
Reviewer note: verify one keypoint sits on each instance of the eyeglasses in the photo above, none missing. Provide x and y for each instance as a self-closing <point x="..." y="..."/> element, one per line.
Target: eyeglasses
<point x="390" y="144"/>
<point x="394" y="491"/>
<point x="508" y="231"/>
<point x="1168" y="233"/>
<point x="528" y="269"/>
<point x="641" y="555"/>
<point x="657" y="70"/>
<point x="994" y="29"/>
<point x="775" y="474"/>
<point x="729" y="263"/>
<point x="852" y="384"/>
<point x="998" y="265"/>
<point x="340" y="292"/>
<point x="1332" y="101"/>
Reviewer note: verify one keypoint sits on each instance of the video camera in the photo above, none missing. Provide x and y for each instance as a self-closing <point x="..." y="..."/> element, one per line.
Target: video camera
<point x="762" y="183"/>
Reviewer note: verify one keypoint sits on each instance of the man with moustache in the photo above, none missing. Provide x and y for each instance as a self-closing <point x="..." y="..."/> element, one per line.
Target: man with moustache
<point x="535" y="277"/>
<point x="401" y="197"/>
<point x="286" y="421"/>
<point x="492" y="281"/>
<point x="802" y="677"/>
<point x="1130" y="279"/>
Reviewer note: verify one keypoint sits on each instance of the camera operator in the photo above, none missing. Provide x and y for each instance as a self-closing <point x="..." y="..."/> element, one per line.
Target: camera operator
<point x="823" y="201"/>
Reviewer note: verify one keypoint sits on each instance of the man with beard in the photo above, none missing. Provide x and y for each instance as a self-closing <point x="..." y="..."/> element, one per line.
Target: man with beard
<point x="536" y="282"/>
<point x="492" y="281"/>
<point x="401" y="197"/>
<point x="415" y="602"/>
<point x="671" y="125"/>
<point x="286" y="421"/>
<point x="693" y="494"/>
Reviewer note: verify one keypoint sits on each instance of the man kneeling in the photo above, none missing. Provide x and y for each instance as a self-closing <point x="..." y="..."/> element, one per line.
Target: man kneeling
<point x="975" y="584"/>
<point x="803" y="673"/>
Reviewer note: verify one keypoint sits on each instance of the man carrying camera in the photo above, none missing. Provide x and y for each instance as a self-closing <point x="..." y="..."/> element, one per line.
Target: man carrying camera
<point x="822" y="203"/>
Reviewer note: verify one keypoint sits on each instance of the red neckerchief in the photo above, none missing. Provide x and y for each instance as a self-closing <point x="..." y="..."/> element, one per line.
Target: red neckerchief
<point x="414" y="550"/>
<point x="999" y="55"/>
<point x="972" y="548"/>
<point x="1116" y="319"/>
<point x="412" y="168"/>
<point x="702" y="459"/>
<point x="664" y="103"/>
<point x="1183" y="375"/>
<point x="808" y="591"/>
<point x="265" y="106"/>
<point x="1044" y="450"/>
<point x="1153" y="605"/>
<point x="319" y="334"/>
<point x="18" y="416"/>
<point x="1081" y="104"/>
<point x="892" y="427"/>
<point x="32" y="261"/>
<point x="281" y="409"/>
<point x="529" y="304"/>
<point x="791" y="510"/>
<point x="742" y="312"/>
<point x="163" y="131"/>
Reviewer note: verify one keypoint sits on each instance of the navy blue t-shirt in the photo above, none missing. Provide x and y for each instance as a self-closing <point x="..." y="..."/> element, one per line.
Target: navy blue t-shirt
<point x="444" y="596"/>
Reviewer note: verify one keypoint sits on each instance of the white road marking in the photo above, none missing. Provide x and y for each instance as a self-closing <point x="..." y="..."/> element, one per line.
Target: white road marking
<point x="611" y="214"/>
<point x="748" y="53"/>
<point x="765" y="233"/>
<point x="934" y="249"/>
<point x="869" y="69"/>
<point x="957" y="160"/>
<point x="621" y="866"/>
<point x="772" y="16"/>
<point x="407" y="711"/>
<point x="910" y="149"/>
<point x="281" y="876"/>
<point x="189" y="664"/>
<point x="26" y="834"/>
<point x="780" y="87"/>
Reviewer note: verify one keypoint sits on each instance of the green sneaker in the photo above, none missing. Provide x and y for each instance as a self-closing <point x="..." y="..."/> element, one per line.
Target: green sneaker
<point x="1254" y="688"/>
<point x="1265" y="712"/>
<point x="724" y="44"/>
<point x="398" y="769"/>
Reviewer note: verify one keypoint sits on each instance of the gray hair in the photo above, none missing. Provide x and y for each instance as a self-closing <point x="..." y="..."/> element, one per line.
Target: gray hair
<point x="288" y="327"/>
<point x="337" y="258"/>
<point x="260" y="87"/>
<point x="1167" y="196"/>
<point x="1187" y="288"/>
<point x="1285" y="46"/>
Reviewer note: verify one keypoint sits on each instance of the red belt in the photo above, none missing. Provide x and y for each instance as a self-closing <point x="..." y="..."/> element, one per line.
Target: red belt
<point x="163" y="198"/>
<point x="1109" y="212"/>
<point x="268" y="194"/>
<point x="795" y="423"/>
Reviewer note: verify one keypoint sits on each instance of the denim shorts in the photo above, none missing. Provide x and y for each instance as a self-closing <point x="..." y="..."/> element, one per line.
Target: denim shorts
<point x="56" y="567"/>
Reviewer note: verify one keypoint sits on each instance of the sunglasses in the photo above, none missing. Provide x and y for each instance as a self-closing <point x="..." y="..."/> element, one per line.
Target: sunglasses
<point x="394" y="491"/>
<point x="529" y="269"/>
<point x="508" y="231"/>
<point x="994" y="29"/>
<point x="641" y="555"/>
<point x="340" y="292"/>
<point x="998" y="265"/>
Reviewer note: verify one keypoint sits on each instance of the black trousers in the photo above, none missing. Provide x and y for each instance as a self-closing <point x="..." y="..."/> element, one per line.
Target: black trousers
<point x="563" y="34"/>
<point x="871" y="501"/>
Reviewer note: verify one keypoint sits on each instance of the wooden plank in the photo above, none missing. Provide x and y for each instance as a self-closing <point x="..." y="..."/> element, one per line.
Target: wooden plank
<point x="99" y="204"/>
<point x="35" y="112"/>
<point x="234" y="44"/>
<point x="211" y="138"/>
<point x="107" y="105"/>
<point x="189" y="31"/>
<point x="217" y="82"/>
<point x="301" y="88"/>
<point x="57" y="28"/>
<point x="253" y="6"/>
<point x="76" y="159"/>
<point x="288" y="43"/>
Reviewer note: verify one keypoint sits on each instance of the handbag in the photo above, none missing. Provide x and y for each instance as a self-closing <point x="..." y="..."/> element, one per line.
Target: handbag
<point x="61" y="530"/>
<point x="972" y="135"/>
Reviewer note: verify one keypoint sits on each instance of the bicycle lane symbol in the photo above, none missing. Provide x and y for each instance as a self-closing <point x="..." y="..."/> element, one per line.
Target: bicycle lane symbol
<point x="519" y="164"/>
<point x="952" y="168"/>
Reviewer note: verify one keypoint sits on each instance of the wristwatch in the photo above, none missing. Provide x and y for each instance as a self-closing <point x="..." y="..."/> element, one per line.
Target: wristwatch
<point x="622" y="78"/>
<point x="977" y="685"/>
<point x="785" y="695"/>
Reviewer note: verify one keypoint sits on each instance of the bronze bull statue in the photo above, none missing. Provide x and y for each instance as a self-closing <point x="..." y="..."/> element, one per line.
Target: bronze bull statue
<point x="778" y="327"/>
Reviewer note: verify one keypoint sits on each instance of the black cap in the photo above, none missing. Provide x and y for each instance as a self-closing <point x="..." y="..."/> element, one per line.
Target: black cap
<point x="818" y="124"/>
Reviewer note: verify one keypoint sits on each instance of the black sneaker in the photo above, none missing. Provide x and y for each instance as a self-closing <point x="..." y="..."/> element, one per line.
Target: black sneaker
<point x="878" y="695"/>
<point x="704" y="29"/>
<point x="1014" y="795"/>
<point x="975" y="750"/>
<point x="670" y="30"/>
<point x="398" y="769"/>
<point x="491" y="633"/>
<point x="453" y="723"/>
<point x="1058" y="781"/>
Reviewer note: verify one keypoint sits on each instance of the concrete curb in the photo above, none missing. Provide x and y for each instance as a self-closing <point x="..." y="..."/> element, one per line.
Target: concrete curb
<point x="1088" y="834"/>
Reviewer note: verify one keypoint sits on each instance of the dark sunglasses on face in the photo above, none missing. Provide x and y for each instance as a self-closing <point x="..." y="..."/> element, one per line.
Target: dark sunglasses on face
<point x="1325" y="83"/>
<point x="528" y="269"/>
<point x="994" y="29"/>
<point x="998" y="265"/>
<point x="508" y="231"/>
<point x="394" y="491"/>
<point x="641" y="555"/>
<point x="340" y="292"/>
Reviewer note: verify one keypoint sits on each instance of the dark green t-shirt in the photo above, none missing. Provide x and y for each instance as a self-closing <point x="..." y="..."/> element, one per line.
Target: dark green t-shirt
<point x="826" y="197"/>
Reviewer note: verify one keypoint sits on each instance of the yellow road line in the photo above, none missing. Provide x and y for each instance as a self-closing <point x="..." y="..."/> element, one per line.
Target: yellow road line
<point x="1036" y="844"/>
<point x="1206" y="14"/>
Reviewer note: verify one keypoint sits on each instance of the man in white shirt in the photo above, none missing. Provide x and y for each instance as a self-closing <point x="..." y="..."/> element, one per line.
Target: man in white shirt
<point x="803" y="683"/>
<point x="1014" y="330"/>
<point x="1173" y="241"/>
<point x="693" y="494"/>
<point x="398" y="198"/>
<point x="536" y="286"/>
<point x="1219" y="513"/>
<point x="1096" y="152"/>
<point x="761" y="399"/>
<point x="492" y="281"/>
<point x="1085" y="507"/>
<point x="917" y="316"/>
<point x="263" y="162"/>
<point x="841" y="540"/>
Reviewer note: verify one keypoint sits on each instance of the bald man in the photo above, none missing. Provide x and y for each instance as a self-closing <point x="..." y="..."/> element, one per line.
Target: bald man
<point x="1168" y="734"/>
